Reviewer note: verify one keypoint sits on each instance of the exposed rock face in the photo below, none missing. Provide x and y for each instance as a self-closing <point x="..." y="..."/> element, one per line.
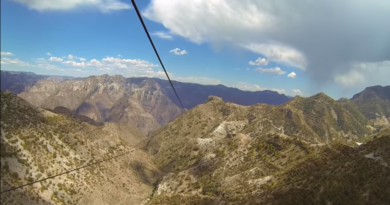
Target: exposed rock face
<point x="112" y="98"/>
<point x="308" y="151"/>
<point x="107" y="99"/>
<point x="37" y="143"/>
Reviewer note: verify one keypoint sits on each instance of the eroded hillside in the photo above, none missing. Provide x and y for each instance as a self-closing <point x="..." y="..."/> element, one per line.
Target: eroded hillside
<point x="108" y="99"/>
<point x="222" y="153"/>
<point x="37" y="143"/>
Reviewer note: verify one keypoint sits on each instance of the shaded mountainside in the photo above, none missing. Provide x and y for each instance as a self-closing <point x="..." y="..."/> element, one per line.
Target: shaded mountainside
<point x="107" y="99"/>
<point x="193" y="94"/>
<point x="374" y="102"/>
<point x="37" y="143"/>
<point x="295" y="153"/>
<point x="67" y="112"/>
<point x="18" y="82"/>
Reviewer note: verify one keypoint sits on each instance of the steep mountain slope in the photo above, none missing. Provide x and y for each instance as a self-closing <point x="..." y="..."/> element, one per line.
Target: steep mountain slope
<point x="96" y="96"/>
<point x="37" y="143"/>
<point x="279" y="171"/>
<point x="374" y="102"/>
<point x="223" y="153"/>
<point x="18" y="82"/>
<point x="107" y="99"/>
<point x="329" y="119"/>
<point x="67" y="112"/>
<point x="318" y="119"/>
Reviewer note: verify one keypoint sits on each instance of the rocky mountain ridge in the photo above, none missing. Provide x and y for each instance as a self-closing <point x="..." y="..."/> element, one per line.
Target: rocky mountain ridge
<point x="308" y="150"/>
<point x="303" y="152"/>
<point x="107" y="99"/>
<point x="37" y="143"/>
<point x="311" y="150"/>
<point x="143" y="102"/>
<point x="374" y="101"/>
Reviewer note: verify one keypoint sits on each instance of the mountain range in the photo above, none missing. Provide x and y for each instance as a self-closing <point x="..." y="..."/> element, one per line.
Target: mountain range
<point x="146" y="103"/>
<point x="313" y="150"/>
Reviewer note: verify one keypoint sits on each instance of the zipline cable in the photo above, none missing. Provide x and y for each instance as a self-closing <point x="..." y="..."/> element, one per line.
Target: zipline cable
<point x="76" y="169"/>
<point x="155" y="50"/>
<point x="110" y="158"/>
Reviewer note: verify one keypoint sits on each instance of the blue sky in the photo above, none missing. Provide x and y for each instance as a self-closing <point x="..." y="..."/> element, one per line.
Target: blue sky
<point x="82" y="38"/>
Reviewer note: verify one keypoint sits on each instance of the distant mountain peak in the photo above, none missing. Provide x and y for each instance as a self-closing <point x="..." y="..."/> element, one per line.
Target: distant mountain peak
<point x="214" y="98"/>
<point x="374" y="101"/>
<point x="379" y="91"/>
<point x="321" y="95"/>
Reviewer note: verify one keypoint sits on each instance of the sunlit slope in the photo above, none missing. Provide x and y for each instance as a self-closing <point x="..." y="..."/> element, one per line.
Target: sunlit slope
<point x="37" y="143"/>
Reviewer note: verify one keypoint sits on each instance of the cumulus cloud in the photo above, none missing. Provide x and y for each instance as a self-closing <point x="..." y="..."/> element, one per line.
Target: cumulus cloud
<point x="282" y="54"/>
<point x="177" y="51"/>
<point x="49" y="54"/>
<point x="297" y="92"/>
<point x="275" y="71"/>
<point x="104" y="6"/>
<point x="107" y="65"/>
<point x="292" y="75"/>
<point x="55" y="59"/>
<point x="365" y="74"/>
<point x="259" y="61"/>
<point x="163" y="35"/>
<point x="322" y="37"/>
<point x="8" y="61"/>
<point x="255" y="87"/>
<point x="6" y="54"/>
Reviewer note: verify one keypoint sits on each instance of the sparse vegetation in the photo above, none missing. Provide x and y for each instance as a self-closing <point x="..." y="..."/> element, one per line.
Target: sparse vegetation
<point x="218" y="153"/>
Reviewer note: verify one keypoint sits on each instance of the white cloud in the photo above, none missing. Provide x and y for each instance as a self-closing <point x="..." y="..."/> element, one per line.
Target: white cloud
<point x="8" y="61"/>
<point x="163" y="35"/>
<point x="301" y="34"/>
<point x="255" y="87"/>
<point x="292" y="75"/>
<point x="259" y="61"/>
<point x="75" y="64"/>
<point x="276" y="71"/>
<point x="297" y="92"/>
<point x="49" y="54"/>
<point x="365" y="74"/>
<point x="104" y="6"/>
<point x="107" y="65"/>
<point x="280" y="91"/>
<point x="177" y="51"/>
<point x="6" y="54"/>
<point x="47" y="66"/>
<point x="55" y="59"/>
<point x="199" y="80"/>
<point x="279" y="53"/>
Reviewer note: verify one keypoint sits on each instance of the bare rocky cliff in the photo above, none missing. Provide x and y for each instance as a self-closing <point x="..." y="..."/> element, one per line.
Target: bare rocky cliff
<point x="108" y="99"/>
